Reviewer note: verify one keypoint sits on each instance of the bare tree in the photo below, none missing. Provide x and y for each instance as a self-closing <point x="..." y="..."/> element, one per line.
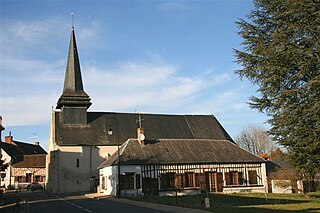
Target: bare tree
<point x="256" y="140"/>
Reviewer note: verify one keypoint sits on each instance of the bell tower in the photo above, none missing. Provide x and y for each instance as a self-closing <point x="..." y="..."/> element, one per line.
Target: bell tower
<point x="74" y="101"/>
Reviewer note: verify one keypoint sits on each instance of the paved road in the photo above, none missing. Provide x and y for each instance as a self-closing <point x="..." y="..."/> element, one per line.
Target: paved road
<point x="40" y="202"/>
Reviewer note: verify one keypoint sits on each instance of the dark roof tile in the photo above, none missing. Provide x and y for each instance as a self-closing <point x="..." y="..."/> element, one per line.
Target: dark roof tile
<point x="172" y="151"/>
<point x="124" y="126"/>
<point x="37" y="160"/>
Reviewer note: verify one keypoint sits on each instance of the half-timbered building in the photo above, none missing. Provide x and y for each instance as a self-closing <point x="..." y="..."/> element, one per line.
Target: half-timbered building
<point x="26" y="163"/>
<point x="182" y="166"/>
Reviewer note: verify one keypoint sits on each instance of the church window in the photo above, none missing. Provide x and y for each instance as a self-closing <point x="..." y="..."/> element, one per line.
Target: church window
<point x="77" y="162"/>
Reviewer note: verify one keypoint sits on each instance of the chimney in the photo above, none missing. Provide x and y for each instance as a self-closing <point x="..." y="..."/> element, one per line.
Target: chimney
<point x="8" y="139"/>
<point x="37" y="143"/>
<point x="141" y="137"/>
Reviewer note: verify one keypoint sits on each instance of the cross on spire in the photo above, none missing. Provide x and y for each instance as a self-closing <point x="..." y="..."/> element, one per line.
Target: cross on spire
<point x="72" y="19"/>
<point x="140" y="120"/>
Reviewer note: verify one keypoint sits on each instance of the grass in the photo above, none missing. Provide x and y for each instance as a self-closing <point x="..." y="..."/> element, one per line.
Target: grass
<point x="245" y="202"/>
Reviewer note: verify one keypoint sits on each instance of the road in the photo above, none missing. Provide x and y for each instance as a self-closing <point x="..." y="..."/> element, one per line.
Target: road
<point x="41" y="202"/>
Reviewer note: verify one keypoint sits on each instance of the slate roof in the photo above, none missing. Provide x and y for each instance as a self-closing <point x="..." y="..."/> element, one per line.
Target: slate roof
<point x="35" y="161"/>
<point x="17" y="151"/>
<point x="180" y="151"/>
<point x="124" y="126"/>
<point x="30" y="149"/>
<point x="272" y="166"/>
<point x="13" y="151"/>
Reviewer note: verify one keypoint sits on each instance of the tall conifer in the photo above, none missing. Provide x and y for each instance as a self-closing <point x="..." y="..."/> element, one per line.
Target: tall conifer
<point x="281" y="55"/>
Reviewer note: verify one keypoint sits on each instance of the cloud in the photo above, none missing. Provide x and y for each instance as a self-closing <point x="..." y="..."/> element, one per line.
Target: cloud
<point x="155" y="87"/>
<point x="149" y="86"/>
<point x="31" y="81"/>
<point x="129" y="74"/>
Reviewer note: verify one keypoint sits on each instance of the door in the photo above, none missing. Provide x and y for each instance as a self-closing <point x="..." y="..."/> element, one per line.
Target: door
<point x="211" y="181"/>
<point x="219" y="182"/>
<point x="150" y="186"/>
<point x="28" y="177"/>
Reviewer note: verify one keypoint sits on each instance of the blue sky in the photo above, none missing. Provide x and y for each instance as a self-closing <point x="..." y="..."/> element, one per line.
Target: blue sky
<point x="172" y="57"/>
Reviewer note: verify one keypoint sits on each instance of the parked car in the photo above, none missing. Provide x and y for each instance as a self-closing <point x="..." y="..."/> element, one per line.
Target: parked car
<point x="2" y="189"/>
<point x="34" y="187"/>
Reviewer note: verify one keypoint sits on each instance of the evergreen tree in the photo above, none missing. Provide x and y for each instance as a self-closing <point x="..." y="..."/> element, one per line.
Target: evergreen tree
<point x="281" y="55"/>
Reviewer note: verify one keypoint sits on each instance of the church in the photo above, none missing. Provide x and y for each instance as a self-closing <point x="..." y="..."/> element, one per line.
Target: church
<point x="112" y="153"/>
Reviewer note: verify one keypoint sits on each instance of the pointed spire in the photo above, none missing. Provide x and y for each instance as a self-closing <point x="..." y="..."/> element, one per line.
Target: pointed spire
<point x="73" y="92"/>
<point x="73" y="80"/>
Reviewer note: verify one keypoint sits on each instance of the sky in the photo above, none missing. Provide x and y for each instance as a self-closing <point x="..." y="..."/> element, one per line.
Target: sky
<point x="168" y="57"/>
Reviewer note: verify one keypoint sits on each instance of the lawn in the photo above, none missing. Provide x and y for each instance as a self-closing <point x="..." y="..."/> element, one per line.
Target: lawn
<point x="245" y="202"/>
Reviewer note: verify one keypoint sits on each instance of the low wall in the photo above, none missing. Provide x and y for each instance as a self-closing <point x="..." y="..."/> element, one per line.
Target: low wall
<point x="256" y="189"/>
<point x="281" y="186"/>
<point x="131" y="193"/>
<point x="180" y="192"/>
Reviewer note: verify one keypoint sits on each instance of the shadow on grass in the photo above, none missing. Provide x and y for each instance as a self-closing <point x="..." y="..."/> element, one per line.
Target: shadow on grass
<point x="238" y="203"/>
<point x="234" y="203"/>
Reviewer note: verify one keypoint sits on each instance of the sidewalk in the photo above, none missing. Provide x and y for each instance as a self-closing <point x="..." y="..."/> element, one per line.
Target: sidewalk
<point x="159" y="207"/>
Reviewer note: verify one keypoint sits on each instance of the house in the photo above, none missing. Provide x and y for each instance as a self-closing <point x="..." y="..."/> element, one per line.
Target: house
<point x="26" y="162"/>
<point x="182" y="166"/>
<point x="80" y="141"/>
<point x="281" y="177"/>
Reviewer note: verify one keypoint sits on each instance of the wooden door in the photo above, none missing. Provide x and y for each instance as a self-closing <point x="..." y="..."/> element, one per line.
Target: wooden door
<point x="210" y="181"/>
<point x="150" y="186"/>
<point x="219" y="179"/>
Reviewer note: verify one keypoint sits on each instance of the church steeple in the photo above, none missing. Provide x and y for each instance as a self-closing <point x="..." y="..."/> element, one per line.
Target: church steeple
<point x="74" y="101"/>
<point x="73" y="92"/>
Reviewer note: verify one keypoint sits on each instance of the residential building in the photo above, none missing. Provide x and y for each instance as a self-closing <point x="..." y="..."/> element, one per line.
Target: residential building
<point x="26" y="162"/>
<point x="183" y="167"/>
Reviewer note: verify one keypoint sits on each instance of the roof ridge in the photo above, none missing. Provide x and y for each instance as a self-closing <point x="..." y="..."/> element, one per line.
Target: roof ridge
<point x="123" y="147"/>
<point x="149" y="113"/>
<point x="181" y="139"/>
<point x="24" y="143"/>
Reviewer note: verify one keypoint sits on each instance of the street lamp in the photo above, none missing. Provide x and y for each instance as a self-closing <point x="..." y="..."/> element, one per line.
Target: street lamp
<point x="110" y="132"/>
